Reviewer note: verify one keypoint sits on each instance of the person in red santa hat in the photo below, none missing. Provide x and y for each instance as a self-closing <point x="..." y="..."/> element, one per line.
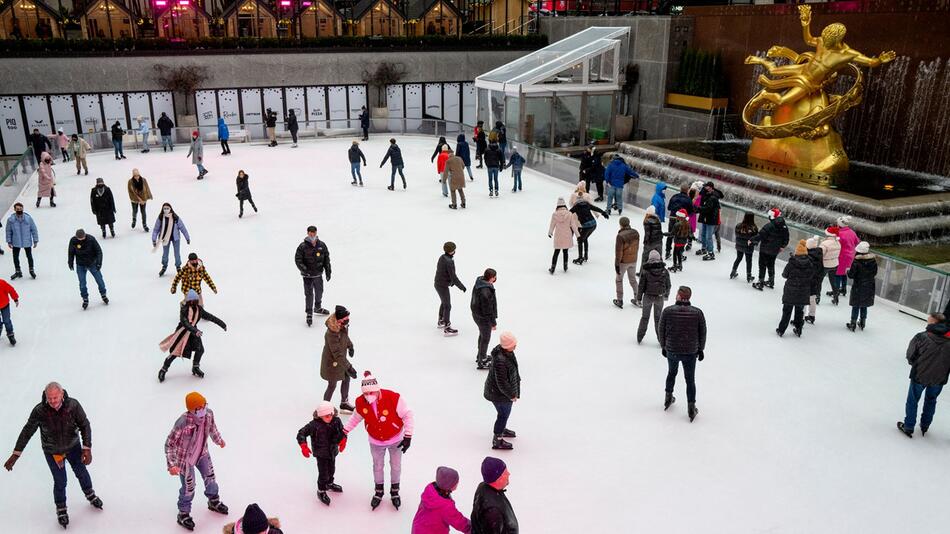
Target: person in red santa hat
<point x="389" y="423"/>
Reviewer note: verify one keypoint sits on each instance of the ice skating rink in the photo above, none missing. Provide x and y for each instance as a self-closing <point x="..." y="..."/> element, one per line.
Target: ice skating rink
<point x="793" y="436"/>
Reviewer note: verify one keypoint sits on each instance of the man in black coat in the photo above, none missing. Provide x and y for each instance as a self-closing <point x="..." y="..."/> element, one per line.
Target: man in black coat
<point x="444" y="279"/>
<point x="270" y="123"/>
<point x="39" y="143"/>
<point x="355" y="155"/>
<point x="682" y="335"/>
<point x="485" y="313"/>
<point x="165" y="126"/>
<point x="679" y="201"/>
<point x="491" y="511"/>
<point x="65" y="436"/>
<point x="503" y="388"/>
<point x="103" y="206"/>
<point x="86" y="253"/>
<point x="773" y="238"/>
<point x="312" y="259"/>
<point x="292" y="126"/>
<point x="929" y="357"/>
<point x="589" y="160"/>
<point x="364" y="122"/>
<point x="394" y="155"/>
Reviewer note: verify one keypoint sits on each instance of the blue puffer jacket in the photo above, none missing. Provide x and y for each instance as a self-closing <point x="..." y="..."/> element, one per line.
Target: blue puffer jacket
<point x="223" y="132"/>
<point x="659" y="201"/>
<point x="462" y="150"/>
<point x="21" y="231"/>
<point x="617" y="172"/>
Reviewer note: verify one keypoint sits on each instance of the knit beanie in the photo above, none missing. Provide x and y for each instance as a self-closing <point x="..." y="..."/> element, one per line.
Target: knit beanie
<point x="624" y="222"/>
<point x="812" y="242"/>
<point x="492" y="469"/>
<point x="340" y="312"/>
<point x="369" y="383"/>
<point x="194" y="133"/>
<point x="654" y="256"/>
<point x="863" y="247"/>
<point x="844" y="220"/>
<point x="508" y="341"/>
<point x="194" y="400"/>
<point x="560" y="202"/>
<point x="192" y="256"/>
<point x="774" y="213"/>
<point x="446" y="478"/>
<point x="254" y="520"/>
<point x="801" y="249"/>
<point x="831" y="231"/>
<point x="651" y="210"/>
<point x="324" y="408"/>
<point x="192" y="295"/>
<point x="80" y="233"/>
<point x="448" y="247"/>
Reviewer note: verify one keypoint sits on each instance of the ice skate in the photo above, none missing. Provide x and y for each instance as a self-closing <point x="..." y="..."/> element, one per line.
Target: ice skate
<point x="195" y="370"/>
<point x="335" y="488"/>
<point x="215" y="505"/>
<point x="377" y="497"/>
<point x="758" y="285"/>
<point x="161" y="374"/>
<point x="733" y="275"/>
<point x="709" y="257"/>
<point x="779" y="332"/>
<point x="450" y="332"/>
<point x="618" y="303"/>
<point x="32" y="274"/>
<point x="850" y="326"/>
<point x="309" y="320"/>
<point x="797" y="330"/>
<point x="323" y="497"/>
<point x="692" y="411"/>
<point x="810" y="319"/>
<point x="346" y="407"/>
<point x="186" y="521"/>
<point x="94" y="500"/>
<point x="749" y="279"/>
<point x="394" y="495"/>
<point x="322" y="311"/>
<point x="670" y="399"/>
<point x="85" y="303"/>
<point x="62" y="517"/>
<point x="500" y="444"/>
<point x="508" y="433"/>
<point x="12" y="339"/>
<point x="636" y="303"/>
<point x="907" y="432"/>
<point x="16" y="275"/>
<point x="162" y="272"/>
<point x="861" y="325"/>
<point x="105" y="300"/>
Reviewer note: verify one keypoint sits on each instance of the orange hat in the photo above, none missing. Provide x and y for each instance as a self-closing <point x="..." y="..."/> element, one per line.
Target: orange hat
<point x="194" y="400"/>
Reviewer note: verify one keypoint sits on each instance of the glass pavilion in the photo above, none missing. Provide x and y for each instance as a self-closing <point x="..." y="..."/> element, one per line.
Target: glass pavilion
<point x="563" y="96"/>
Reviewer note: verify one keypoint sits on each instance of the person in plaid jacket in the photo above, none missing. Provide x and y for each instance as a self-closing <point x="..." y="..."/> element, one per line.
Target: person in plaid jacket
<point x="191" y="276"/>
<point x="186" y="450"/>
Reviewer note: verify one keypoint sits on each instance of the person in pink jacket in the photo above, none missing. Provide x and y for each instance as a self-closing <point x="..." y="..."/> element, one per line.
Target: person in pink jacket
<point x="562" y="229"/>
<point x="437" y="511"/>
<point x="63" y="142"/>
<point x="696" y="199"/>
<point x="848" y="240"/>
<point x="46" y="180"/>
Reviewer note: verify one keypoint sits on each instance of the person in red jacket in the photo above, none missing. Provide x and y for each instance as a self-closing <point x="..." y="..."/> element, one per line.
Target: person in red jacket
<point x="389" y="423"/>
<point x="444" y="156"/>
<point x="6" y="293"/>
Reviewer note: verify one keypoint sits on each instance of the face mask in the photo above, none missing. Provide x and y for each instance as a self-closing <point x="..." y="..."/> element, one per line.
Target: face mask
<point x="19" y="212"/>
<point x="166" y="210"/>
<point x="200" y="413"/>
<point x="370" y="398"/>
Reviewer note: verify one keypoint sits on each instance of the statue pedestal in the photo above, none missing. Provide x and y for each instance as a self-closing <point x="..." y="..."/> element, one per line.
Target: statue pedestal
<point x="815" y="160"/>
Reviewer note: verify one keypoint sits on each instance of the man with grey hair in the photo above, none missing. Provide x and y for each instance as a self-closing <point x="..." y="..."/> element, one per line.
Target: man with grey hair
<point x="65" y="436"/>
<point x="682" y="335"/>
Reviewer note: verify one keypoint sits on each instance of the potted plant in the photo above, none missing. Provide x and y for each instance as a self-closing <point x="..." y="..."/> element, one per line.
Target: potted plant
<point x="700" y="82"/>
<point x="184" y="80"/>
<point x="385" y="74"/>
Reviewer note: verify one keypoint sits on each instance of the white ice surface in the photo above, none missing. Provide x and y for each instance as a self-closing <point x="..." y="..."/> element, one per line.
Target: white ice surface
<point x="794" y="435"/>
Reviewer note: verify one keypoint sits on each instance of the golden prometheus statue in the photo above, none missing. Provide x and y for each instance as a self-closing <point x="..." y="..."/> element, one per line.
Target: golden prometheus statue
<point x="796" y="138"/>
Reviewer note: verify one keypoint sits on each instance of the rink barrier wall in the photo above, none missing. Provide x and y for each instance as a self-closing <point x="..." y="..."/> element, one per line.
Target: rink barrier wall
<point x="15" y="175"/>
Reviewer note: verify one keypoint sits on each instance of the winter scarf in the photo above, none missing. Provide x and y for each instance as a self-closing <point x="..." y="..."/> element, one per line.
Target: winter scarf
<point x="175" y="343"/>
<point x="168" y="225"/>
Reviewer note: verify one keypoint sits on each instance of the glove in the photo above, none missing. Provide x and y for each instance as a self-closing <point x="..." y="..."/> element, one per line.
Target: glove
<point x="70" y="267"/>
<point x="664" y="353"/>
<point x="351" y="372"/>
<point x="351" y="351"/>
<point x="8" y="465"/>
<point x="463" y="289"/>
<point x="404" y="444"/>
<point x="700" y="356"/>
<point x="549" y="236"/>
<point x="328" y="277"/>
<point x="342" y="443"/>
<point x="305" y="450"/>
<point x="606" y="216"/>
<point x="617" y="269"/>
<point x="174" y="471"/>
<point x="86" y="456"/>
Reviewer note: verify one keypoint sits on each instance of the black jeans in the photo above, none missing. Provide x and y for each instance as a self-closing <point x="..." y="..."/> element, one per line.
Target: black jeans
<point x="136" y="207"/>
<point x="766" y="263"/>
<point x="445" y="305"/>
<point x="344" y="389"/>
<point x="748" y="262"/>
<point x="484" y="337"/>
<point x="503" y="410"/>
<point x="224" y="146"/>
<point x="554" y="258"/>
<point x="241" y="204"/>
<point x="582" y="244"/>
<point x="599" y="184"/>
<point x="293" y="135"/>
<point x="689" y="369"/>
<point x="313" y="293"/>
<point x="669" y="234"/>
<point x="787" y="314"/>
<point x="365" y="133"/>
<point x="326" y="467"/>
<point x="16" y="257"/>
<point x="392" y="178"/>
<point x="678" y="257"/>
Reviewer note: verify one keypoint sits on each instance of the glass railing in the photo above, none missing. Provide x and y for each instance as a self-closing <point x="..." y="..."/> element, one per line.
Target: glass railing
<point x="15" y="174"/>
<point x="918" y="289"/>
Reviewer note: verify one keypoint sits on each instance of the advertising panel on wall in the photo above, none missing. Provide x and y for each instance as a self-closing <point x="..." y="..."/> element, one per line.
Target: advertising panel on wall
<point x="138" y="107"/>
<point x="394" y="101"/>
<point x="357" y="94"/>
<point x="229" y="107"/>
<point x="162" y="103"/>
<point x="338" y="111"/>
<point x="251" y="106"/>
<point x="90" y="113"/>
<point x="317" y="105"/>
<point x="12" y="127"/>
<point x="274" y="99"/>
<point x="413" y="106"/>
<point x="206" y="106"/>
<point x="64" y="113"/>
<point x="295" y="101"/>
<point x="113" y="106"/>
<point x="37" y="114"/>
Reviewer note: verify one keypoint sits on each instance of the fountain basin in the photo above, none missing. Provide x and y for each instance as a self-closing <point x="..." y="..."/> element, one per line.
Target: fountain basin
<point x="887" y="206"/>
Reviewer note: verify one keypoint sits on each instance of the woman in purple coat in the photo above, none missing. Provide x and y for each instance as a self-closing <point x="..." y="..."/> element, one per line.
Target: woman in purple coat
<point x="437" y="511"/>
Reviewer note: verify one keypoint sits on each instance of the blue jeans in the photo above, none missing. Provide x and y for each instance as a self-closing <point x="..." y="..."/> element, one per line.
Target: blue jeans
<point x="167" y="142"/>
<point x="7" y="323"/>
<point x="355" y="170"/>
<point x="81" y="271"/>
<point x="706" y="237"/>
<point x="469" y="169"/>
<point x="615" y="198"/>
<point x="201" y="168"/>
<point x="117" y="146"/>
<point x="445" y="186"/>
<point x="689" y="370"/>
<point x="504" y="412"/>
<point x="392" y="178"/>
<point x="74" y="457"/>
<point x="187" y="492"/>
<point x="493" y="178"/>
<point x="177" y="247"/>
<point x="145" y="142"/>
<point x="516" y="177"/>
<point x="504" y="149"/>
<point x="861" y="311"/>
<point x="913" y="399"/>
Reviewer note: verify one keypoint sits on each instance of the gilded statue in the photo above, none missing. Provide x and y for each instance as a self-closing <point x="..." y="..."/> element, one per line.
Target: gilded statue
<point x="797" y="133"/>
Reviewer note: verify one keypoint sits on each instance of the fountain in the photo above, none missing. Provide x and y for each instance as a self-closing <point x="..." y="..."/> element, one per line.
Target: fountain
<point x="796" y="159"/>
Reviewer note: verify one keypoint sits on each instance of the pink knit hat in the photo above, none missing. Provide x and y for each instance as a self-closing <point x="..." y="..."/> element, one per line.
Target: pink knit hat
<point x="369" y="383"/>
<point x="508" y="341"/>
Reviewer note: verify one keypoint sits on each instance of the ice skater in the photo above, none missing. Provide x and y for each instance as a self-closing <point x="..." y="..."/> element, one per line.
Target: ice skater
<point x="679" y="201"/>
<point x="270" y="123"/>
<point x="682" y="335"/>
<point x="389" y="424"/>
<point x="652" y="291"/>
<point x="863" y="272"/>
<point x="191" y="276"/>
<point x="196" y="152"/>
<point x="117" y="132"/>
<point x="187" y="338"/>
<point x="626" y="249"/>
<point x="394" y="156"/>
<point x="46" y="180"/>
<point x="86" y="253"/>
<point x="491" y="510"/>
<point x="313" y="259"/>
<point x="186" y="451"/>
<point x="516" y="162"/>
<point x="292" y="126"/>
<point x="334" y="365"/>
<point x="139" y="194"/>
<point x="588" y="224"/>
<point x="617" y="174"/>
<point x="815" y="255"/>
<point x="848" y="240"/>
<point x="454" y="176"/>
<point x="327" y="440"/>
<point x="7" y="293"/>
<point x="830" y="252"/>
<point x="103" y="206"/>
<point x="799" y="273"/>
<point x="165" y="126"/>
<point x="364" y="122"/>
<point x="440" y="145"/>
<point x="437" y="511"/>
<point x="445" y="278"/>
<point x="355" y="155"/>
<point x="485" y="314"/>
<point x="144" y="130"/>
<point x="745" y="247"/>
<point x="243" y="192"/>
<point x="79" y="148"/>
<point x="681" y="237"/>
<point x="463" y="151"/>
<point x="168" y="230"/>
<point x="21" y="233"/>
<point x="652" y="234"/>
<point x="62" y="142"/>
<point x="928" y="354"/>
<point x="772" y="239"/>
<point x="562" y="229"/>
<point x="494" y="159"/>
<point x="481" y="142"/>
<point x="503" y="388"/>
<point x="65" y="436"/>
<point x="224" y="134"/>
<point x="443" y="156"/>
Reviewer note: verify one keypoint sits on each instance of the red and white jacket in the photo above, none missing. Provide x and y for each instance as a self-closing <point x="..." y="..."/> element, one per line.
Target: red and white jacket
<point x="387" y="420"/>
